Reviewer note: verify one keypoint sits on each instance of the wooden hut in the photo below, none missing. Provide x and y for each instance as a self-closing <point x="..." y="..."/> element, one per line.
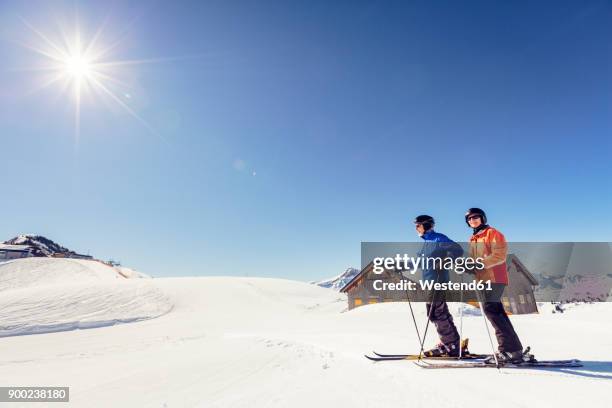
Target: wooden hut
<point x="360" y="289"/>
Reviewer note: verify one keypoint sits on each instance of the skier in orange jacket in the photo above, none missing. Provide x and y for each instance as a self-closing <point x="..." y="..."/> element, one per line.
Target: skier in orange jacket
<point x="490" y="244"/>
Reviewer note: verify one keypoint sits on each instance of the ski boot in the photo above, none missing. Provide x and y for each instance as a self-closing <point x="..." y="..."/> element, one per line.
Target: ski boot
<point x="443" y="350"/>
<point x="511" y="357"/>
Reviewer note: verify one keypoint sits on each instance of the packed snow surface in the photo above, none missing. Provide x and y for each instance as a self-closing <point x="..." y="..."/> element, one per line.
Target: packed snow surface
<point x="255" y="342"/>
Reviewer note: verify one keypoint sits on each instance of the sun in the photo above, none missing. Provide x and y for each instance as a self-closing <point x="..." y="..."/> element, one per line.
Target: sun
<point x="77" y="67"/>
<point x="83" y="66"/>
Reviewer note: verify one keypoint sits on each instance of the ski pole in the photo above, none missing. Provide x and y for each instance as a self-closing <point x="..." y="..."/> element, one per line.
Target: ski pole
<point x="481" y="303"/>
<point x="416" y="327"/>
<point x="461" y="320"/>
<point x="431" y="308"/>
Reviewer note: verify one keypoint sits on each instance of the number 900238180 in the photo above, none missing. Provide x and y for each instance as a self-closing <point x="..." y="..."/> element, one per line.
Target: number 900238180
<point x="34" y="394"/>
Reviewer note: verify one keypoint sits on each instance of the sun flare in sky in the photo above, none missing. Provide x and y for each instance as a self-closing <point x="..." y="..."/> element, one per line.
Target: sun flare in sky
<point x="82" y="67"/>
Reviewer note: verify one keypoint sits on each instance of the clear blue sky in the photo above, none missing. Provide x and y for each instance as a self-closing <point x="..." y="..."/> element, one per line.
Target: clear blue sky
<point x="354" y="117"/>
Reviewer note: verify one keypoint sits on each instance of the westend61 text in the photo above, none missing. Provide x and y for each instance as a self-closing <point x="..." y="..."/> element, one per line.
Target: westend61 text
<point x="406" y="284"/>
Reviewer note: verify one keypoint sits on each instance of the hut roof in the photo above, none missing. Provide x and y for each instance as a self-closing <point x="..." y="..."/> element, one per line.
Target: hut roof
<point x="522" y="268"/>
<point x="15" y="248"/>
<point x="353" y="281"/>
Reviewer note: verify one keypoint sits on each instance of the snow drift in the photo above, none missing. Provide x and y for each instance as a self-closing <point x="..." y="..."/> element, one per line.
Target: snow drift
<point x="39" y="295"/>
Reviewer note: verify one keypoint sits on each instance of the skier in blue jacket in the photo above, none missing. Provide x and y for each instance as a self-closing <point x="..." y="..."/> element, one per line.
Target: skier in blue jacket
<point x="438" y="245"/>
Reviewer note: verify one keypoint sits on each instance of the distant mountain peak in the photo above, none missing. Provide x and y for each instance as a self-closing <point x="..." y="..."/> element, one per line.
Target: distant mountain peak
<point x="42" y="246"/>
<point x="338" y="282"/>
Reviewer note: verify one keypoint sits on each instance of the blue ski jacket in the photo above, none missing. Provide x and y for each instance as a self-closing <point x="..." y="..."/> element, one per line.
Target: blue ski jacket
<point x="438" y="245"/>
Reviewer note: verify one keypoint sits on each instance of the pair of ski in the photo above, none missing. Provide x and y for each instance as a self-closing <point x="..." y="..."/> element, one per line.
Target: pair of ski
<point x="486" y="364"/>
<point x="466" y="355"/>
<point x="394" y="357"/>
<point x="471" y="361"/>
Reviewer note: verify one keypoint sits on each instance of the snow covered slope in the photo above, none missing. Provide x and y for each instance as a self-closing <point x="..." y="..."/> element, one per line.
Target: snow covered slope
<point x="40" y="295"/>
<point x="254" y="342"/>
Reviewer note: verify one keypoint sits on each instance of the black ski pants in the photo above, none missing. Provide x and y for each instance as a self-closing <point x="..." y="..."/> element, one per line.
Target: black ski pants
<point x="507" y="339"/>
<point x="440" y="316"/>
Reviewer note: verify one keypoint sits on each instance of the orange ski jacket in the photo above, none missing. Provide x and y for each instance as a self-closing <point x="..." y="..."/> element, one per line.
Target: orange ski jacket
<point x="491" y="246"/>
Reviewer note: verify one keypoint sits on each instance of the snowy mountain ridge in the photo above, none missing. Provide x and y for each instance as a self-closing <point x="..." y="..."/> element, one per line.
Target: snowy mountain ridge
<point x="42" y="246"/>
<point x="338" y="282"/>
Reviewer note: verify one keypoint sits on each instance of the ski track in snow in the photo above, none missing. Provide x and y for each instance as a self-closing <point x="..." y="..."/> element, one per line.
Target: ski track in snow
<point x="257" y="342"/>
